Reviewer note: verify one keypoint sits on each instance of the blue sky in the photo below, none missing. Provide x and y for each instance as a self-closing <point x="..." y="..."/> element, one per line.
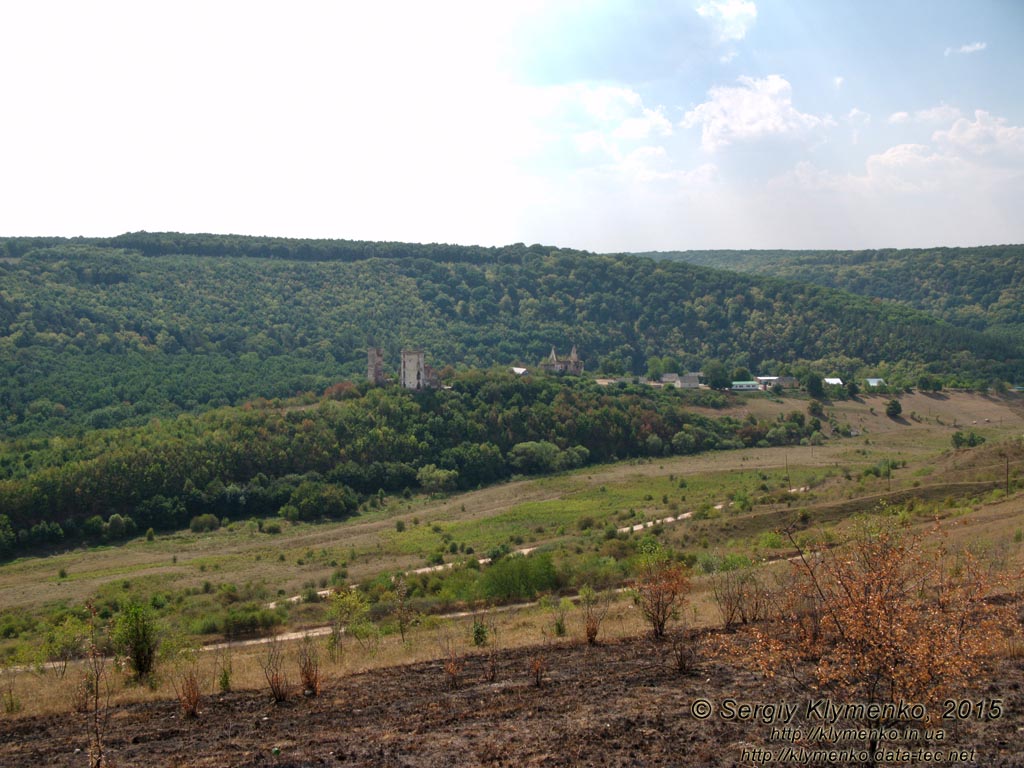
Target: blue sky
<point x="601" y="125"/>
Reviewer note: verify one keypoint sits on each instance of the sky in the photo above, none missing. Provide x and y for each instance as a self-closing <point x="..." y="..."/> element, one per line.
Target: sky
<point x="602" y="125"/>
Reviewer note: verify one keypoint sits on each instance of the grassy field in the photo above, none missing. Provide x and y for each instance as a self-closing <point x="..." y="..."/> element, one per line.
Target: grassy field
<point x="737" y="504"/>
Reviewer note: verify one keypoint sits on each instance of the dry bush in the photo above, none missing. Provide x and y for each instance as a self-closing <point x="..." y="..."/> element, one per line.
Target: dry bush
<point x="452" y="670"/>
<point x="272" y="665"/>
<point x="492" y="665"/>
<point x="81" y="692"/>
<point x="883" y="619"/>
<point x="452" y="664"/>
<point x="538" y="667"/>
<point x="188" y="690"/>
<point x="660" y="589"/>
<point x="594" y="606"/>
<point x="96" y="692"/>
<point x="309" y="666"/>
<point x="740" y="596"/>
<point x="685" y="648"/>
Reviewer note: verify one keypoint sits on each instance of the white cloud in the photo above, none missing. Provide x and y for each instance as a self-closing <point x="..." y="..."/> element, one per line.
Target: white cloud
<point x="943" y="113"/>
<point x="984" y="137"/>
<point x="971" y="157"/>
<point x="755" y="109"/>
<point x="731" y="18"/>
<point x="649" y="122"/>
<point x="591" y="119"/>
<point x="940" y="114"/>
<point x="649" y="164"/>
<point x="911" y="168"/>
<point x="838" y="81"/>
<point x="967" y="48"/>
<point x="725" y="58"/>
<point x="858" y="118"/>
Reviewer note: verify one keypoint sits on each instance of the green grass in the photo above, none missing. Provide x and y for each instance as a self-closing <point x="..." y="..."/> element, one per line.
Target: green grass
<point x="569" y="515"/>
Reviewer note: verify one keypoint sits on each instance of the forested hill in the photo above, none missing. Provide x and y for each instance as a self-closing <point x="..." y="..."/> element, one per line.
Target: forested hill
<point x="96" y="333"/>
<point x="979" y="288"/>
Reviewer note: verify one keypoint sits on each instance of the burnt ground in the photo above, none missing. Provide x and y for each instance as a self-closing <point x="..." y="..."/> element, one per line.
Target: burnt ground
<point x="621" y="704"/>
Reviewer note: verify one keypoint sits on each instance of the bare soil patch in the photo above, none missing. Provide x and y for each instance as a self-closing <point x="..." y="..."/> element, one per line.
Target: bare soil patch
<point x="621" y="704"/>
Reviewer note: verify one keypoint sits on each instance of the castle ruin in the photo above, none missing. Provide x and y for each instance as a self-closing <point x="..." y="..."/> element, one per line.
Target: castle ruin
<point x="571" y="365"/>
<point x="375" y="366"/>
<point x="414" y="374"/>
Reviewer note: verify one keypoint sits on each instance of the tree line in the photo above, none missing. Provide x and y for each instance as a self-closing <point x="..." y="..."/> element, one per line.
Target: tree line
<point x="324" y="458"/>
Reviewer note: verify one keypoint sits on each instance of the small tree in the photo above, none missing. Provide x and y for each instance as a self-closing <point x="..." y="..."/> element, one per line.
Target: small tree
<point x="893" y="409"/>
<point x="136" y="637"/>
<point x="92" y="696"/>
<point x="815" y="386"/>
<point x="65" y="642"/>
<point x="403" y="613"/>
<point x="660" y="589"/>
<point x="349" y="614"/>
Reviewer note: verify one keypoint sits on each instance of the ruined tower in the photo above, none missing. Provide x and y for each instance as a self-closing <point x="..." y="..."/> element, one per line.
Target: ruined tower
<point x="375" y="366"/>
<point x="416" y="374"/>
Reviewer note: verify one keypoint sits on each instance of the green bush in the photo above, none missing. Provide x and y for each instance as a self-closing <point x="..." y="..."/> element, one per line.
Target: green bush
<point x="519" y="577"/>
<point x="204" y="523"/>
<point x="136" y="637"/>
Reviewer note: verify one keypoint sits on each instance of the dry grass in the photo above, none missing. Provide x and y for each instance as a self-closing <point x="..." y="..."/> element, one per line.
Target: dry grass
<point x="244" y="555"/>
<point x="45" y="693"/>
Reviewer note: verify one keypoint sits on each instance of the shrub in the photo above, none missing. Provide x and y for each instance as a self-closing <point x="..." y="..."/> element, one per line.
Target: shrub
<point x="685" y="650"/>
<point x="595" y="607"/>
<point x="519" y="577"/>
<point x="204" y="523"/>
<point x="272" y="665"/>
<point x="883" y="619"/>
<point x="740" y="596"/>
<point x="135" y="636"/>
<point x="661" y="588"/>
<point x="309" y="666"/>
<point x="479" y="633"/>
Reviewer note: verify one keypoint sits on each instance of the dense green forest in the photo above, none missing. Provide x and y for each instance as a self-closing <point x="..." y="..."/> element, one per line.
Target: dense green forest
<point x="97" y="333"/>
<point x="979" y="288"/>
<point x="322" y="458"/>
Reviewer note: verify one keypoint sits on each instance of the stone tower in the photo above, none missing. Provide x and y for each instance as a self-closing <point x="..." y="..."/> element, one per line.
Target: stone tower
<point x="375" y="366"/>
<point x="413" y="369"/>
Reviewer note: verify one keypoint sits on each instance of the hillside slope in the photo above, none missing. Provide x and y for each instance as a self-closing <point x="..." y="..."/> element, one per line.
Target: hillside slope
<point x="99" y="333"/>
<point x="979" y="288"/>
